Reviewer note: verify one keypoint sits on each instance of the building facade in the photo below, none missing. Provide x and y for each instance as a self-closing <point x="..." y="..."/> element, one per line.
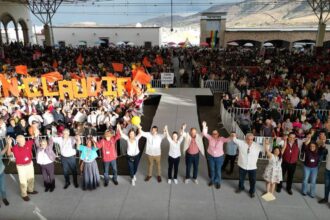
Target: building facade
<point x="93" y="35"/>
<point x="15" y="22"/>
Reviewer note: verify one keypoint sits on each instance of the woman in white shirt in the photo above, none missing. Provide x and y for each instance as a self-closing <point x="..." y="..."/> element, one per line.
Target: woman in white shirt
<point x="133" y="151"/>
<point x="174" y="154"/>
<point x="46" y="158"/>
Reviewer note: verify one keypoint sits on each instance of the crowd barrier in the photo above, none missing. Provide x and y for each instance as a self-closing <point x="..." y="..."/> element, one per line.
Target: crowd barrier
<point x="229" y="122"/>
<point x="216" y="86"/>
<point x="236" y="112"/>
<point x="157" y="83"/>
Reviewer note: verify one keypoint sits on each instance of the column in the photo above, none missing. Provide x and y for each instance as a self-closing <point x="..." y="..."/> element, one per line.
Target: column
<point x="48" y="37"/>
<point x="6" y="32"/>
<point x="16" y="31"/>
<point x="26" y="36"/>
<point x="1" y="36"/>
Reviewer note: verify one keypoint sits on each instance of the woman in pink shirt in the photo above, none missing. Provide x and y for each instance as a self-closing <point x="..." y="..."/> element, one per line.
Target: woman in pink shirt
<point x="215" y="154"/>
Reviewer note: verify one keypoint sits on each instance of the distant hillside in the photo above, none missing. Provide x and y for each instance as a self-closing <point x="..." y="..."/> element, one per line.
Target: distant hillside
<point x="249" y="14"/>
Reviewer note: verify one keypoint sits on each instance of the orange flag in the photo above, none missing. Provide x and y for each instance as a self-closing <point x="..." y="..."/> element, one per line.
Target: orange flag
<point x="74" y="76"/>
<point x="55" y="64"/>
<point x="128" y="86"/>
<point x="79" y="60"/>
<point x="159" y="60"/>
<point x="142" y="77"/>
<point x="146" y="62"/>
<point x="53" y="76"/>
<point x="21" y="69"/>
<point x="118" y="67"/>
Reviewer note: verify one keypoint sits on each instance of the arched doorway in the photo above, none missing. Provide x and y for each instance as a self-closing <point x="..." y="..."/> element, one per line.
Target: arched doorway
<point x="10" y="28"/>
<point x="23" y="31"/>
<point x="12" y="32"/>
<point x="254" y="43"/>
<point x="2" y="33"/>
<point x="306" y="45"/>
<point x="279" y="43"/>
<point x="326" y="44"/>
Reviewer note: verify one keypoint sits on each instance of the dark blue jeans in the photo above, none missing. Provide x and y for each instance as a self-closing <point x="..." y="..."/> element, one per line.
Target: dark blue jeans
<point x="252" y="179"/>
<point x="215" y="164"/>
<point x="310" y="173"/>
<point x="133" y="163"/>
<point x="69" y="165"/>
<point x="3" y="194"/>
<point x="113" y="165"/>
<point x="326" y="184"/>
<point x="192" y="160"/>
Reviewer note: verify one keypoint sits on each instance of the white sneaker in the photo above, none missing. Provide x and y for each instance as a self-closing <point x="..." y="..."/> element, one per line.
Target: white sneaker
<point x="195" y="181"/>
<point x="175" y="181"/>
<point x="169" y="181"/>
<point x="133" y="182"/>
<point x="186" y="181"/>
<point x="134" y="178"/>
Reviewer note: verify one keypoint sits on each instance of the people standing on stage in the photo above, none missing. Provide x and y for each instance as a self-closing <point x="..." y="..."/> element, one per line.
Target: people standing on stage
<point x="90" y="170"/>
<point x="46" y="158"/>
<point x="3" y="193"/>
<point x="133" y="151"/>
<point x="153" y="151"/>
<point x="215" y="155"/>
<point x="193" y="146"/>
<point x="313" y="157"/>
<point x="230" y="157"/>
<point x="247" y="161"/>
<point x="174" y="155"/>
<point x="289" y="162"/>
<point x="22" y="151"/>
<point x="273" y="171"/>
<point x="109" y="154"/>
<point x="68" y="157"/>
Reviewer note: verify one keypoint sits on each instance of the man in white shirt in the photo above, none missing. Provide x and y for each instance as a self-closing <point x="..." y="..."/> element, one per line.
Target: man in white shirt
<point x="327" y="95"/>
<point x="48" y="118"/>
<point x="68" y="157"/>
<point x="35" y="117"/>
<point x="247" y="161"/>
<point x="294" y="100"/>
<point x="153" y="151"/>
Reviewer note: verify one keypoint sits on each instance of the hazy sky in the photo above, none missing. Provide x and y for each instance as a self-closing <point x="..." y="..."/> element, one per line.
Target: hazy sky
<point x="128" y="11"/>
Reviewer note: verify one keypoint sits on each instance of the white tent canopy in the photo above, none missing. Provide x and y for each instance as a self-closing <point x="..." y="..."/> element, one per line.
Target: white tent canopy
<point x="297" y="46"/>
<point x="100" y="42"/>
<point x="120" y="43"/>
<point x="233" y="43"/>
<point x="248" y="45"/>
<point x="82" y="43"/>
<point x="268" y="44"/>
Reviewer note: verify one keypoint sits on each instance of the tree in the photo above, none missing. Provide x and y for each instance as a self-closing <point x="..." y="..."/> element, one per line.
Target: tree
<point x="321" y="9"/>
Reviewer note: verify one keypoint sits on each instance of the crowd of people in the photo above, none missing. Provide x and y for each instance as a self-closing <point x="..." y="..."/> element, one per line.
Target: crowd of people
<point x="280" y="92"/>
<point x="289" y="81"/>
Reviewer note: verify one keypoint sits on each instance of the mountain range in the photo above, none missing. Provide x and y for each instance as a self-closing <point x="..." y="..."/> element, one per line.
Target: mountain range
<point x="248" y="13"/>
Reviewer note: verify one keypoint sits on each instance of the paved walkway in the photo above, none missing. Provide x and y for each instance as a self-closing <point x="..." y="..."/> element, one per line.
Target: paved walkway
<point x="161" y="201"/>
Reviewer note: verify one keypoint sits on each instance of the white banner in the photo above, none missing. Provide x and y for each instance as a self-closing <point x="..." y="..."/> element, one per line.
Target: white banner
<point x="167" y="78"/>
